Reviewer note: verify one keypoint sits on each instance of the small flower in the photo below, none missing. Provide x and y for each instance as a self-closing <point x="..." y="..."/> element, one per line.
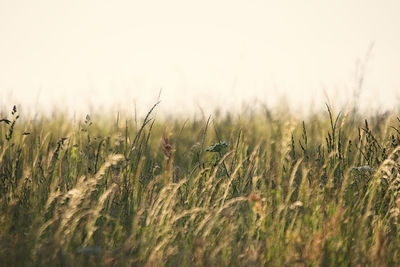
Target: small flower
<point x="217" y="147"/>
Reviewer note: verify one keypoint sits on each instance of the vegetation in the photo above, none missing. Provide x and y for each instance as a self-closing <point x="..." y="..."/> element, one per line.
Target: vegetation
<point x="259" y="188"/>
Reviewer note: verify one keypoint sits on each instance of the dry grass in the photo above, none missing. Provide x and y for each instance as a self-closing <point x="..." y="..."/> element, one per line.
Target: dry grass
<point x="262" y="188"/>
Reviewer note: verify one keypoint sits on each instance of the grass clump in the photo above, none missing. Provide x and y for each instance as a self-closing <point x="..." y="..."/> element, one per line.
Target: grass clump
<point x="263" y="188"/>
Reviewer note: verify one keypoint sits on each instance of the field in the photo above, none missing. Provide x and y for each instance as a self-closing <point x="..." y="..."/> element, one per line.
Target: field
<point x="263" y="187"/>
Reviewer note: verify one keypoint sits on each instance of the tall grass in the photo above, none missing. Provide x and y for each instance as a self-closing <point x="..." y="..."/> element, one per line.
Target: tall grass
<point x="262" y="188"/>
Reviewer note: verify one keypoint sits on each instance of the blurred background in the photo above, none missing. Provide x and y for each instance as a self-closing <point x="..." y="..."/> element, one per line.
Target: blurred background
<point x="80" y="55"/>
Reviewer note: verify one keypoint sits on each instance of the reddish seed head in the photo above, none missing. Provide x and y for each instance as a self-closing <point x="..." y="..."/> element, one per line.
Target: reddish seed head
<point x="166" y="147"/>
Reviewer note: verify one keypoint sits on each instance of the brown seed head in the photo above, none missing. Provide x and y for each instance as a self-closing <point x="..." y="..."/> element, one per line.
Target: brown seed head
<point x="255" y="202"/>
<point x="166" y="147"/>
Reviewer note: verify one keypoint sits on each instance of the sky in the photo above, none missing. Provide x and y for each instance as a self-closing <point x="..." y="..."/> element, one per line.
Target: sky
<point x="82" y="54"/>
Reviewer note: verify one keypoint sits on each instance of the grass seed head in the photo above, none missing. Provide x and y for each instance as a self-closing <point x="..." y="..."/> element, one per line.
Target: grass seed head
<point x="166" y="147"/>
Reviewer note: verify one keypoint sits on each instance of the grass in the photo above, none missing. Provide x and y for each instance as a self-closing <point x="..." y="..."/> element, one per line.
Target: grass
<point x="262" y="188"/>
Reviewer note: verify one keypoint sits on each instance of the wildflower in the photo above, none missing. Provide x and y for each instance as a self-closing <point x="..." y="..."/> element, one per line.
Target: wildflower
<point x="217" y="147"/>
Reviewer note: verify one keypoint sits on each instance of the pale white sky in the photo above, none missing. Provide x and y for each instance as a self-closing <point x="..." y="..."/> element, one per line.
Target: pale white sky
<point x="207" y="53"/>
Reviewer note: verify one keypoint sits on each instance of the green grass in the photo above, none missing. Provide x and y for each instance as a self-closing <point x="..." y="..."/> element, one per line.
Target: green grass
<point x="110" y="190"/>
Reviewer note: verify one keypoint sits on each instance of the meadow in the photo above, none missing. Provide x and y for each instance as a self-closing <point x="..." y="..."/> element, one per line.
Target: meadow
<point x="260" y="188"/>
